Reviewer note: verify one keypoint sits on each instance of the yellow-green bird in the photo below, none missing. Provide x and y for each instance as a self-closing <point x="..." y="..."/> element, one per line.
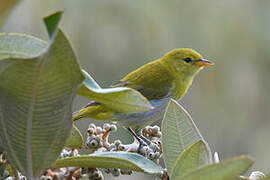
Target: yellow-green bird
<point x="160" y="80"/>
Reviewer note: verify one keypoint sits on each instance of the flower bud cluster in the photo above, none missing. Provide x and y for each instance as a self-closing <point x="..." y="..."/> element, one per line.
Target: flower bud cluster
<point x="154" y="149"/>
<point x="117" y="172"/>
<point x="21" y="177"/>
<point x="68" y="153"/>
<point x="150" y="153"/>
<point x="97" y="141"/>
<point x="92" y="173"/>
<point x="152" y="132"/>
<point x="98" y="137"/>
<point x="44" y="177"/>
<point x="63" y="173"/>
<point x="5" y="174"/>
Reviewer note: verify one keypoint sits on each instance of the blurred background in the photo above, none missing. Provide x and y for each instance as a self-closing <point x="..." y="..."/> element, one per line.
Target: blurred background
<point x="229" y="102"/>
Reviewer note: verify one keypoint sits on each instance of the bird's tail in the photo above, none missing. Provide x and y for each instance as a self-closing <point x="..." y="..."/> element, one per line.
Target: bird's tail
<point x="94" y="111"/>
<point x="77" y="115"/>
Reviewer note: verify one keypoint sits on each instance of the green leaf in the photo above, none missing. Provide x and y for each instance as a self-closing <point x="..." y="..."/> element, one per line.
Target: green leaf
<point x="38" y="83"/>
<point x="122" y="160"/>
<point x="266" y="178"/>
<point x="9" y="169"/>
<point x="194" y="156"/>
<point x="178" y="132"/>
<point x="75" y="139"/>
<point x="15" y="45"/>
<point x="120" y="99"/>
<point x="229" y="169"/>
<point x="52" y="22"/>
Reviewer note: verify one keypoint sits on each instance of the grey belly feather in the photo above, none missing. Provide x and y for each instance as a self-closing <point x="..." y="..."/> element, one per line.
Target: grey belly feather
<point x="142" y="119"/>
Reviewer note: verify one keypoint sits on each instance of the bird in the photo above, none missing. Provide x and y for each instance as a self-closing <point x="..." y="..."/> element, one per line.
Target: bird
<point x="160" y="80"/>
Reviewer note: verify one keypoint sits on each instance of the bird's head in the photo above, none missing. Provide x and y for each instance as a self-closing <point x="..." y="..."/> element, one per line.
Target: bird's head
<point x="186" y="62"/>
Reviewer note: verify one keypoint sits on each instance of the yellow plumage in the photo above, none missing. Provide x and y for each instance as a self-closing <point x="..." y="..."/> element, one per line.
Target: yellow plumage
<point x="167" y="77"/>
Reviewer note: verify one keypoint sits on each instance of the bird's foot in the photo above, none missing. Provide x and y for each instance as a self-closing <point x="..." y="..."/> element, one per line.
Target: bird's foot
<point x="145" y="139"/>
<point x="141" y="141"/>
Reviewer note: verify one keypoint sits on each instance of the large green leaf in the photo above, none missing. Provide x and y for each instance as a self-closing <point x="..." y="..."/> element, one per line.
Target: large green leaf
<point x="13" y="45"/>
<point x="120" y="99"/>
<point x="178" y="132"/>
<point x="194" y="156"/>
<point x="267" y="177"/>
<point x="122" y="160"/>
<point x="38" y="83"/>
<point x="229" y="169"/>
<point x="75" y="139"/>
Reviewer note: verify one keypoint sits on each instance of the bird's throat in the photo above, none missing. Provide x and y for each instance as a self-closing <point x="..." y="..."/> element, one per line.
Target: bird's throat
<point x="181" y="86"/>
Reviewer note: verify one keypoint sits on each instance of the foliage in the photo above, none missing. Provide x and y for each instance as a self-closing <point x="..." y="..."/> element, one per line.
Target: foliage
<point x="36" y="93"/>
<point x="120" y="99"/>
<point x="178" y="132"/>
<point x="38" y="82"/>
<point x="75" y="139"/>
<point x="122" y="160"/>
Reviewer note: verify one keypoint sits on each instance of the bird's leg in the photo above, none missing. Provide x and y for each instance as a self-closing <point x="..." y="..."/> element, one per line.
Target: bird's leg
<point x="152" y="145"/>
<point x="145" y="139"/>
<point x="141" y="141"/>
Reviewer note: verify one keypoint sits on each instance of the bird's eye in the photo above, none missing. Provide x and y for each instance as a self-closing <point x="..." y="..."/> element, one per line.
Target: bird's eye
<point x="188" y="60"/>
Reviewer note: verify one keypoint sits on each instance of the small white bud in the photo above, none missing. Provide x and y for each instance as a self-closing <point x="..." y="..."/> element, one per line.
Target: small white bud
<point x="91" y="131"/>
<point x="95" y="174"/>
<point x="9" y="178"/>
<point x="256" y="175"/>
<point x="157" y="155"/>
<point x="106" y="126"/>
<point x="121" y="147"/>
<point x="125" y="172"/>
<point x="144" y="150"/>
<point x="5" y="174"/>
<point x="150" y="154"/>
<point x="115" y="172"/>
<point x="156" y="129"/>
<point x="92" y="125"/>
<point x="107" y="170"/>
<point x="147" y="128"/>
<point x="153" y="146"/>
<point x="99" y="130"/>
<point x="93" y="141"/>
<point x="117" y="143"/>
<point x="48" y="178"/>
<point x="216" y="158"/>
<point x="113" y="128"/>
<point x="159" y="134"/>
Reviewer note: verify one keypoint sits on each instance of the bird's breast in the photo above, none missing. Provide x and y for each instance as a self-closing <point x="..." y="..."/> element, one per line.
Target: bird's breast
<point x="180" y="87"/>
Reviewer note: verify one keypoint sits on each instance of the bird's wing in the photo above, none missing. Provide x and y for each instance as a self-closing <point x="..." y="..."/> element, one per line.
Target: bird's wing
<point x="152" y="80"/>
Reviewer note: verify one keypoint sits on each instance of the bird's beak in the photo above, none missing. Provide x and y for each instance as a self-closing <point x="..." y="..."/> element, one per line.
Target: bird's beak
<point x="204" y="62"/>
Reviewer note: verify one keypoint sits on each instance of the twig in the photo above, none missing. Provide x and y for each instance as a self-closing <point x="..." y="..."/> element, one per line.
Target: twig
<point x="52" y="174"/>
<point x="14" y="172"/>
<point x="72" y="172"/>
<point x="165" y="175"/>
